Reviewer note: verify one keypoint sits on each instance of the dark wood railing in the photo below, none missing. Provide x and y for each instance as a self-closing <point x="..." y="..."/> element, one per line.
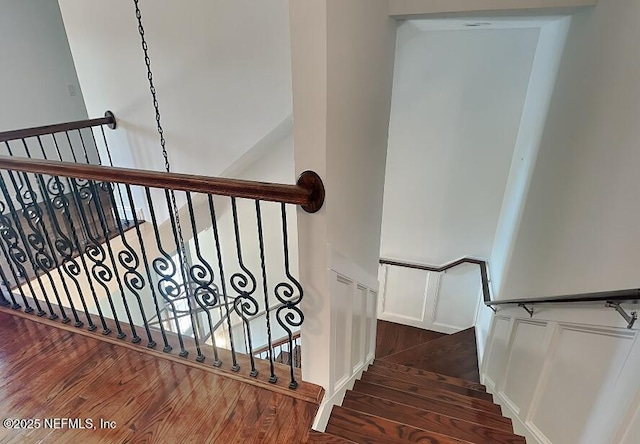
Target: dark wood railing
<point x="109" y="120"/>
<point x="612" y="298"/>
<point x="141" y="284"/>
<point x="308" y="192"/>
<point x="449" y="265"/>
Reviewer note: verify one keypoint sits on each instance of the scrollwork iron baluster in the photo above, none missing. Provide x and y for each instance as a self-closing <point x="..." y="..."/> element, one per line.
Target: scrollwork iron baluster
<point x="95" y="252"/>
<point x="184" y="272"/>
<point x="289" y="315"/>
<point x="143" y="252"/>
<point x="38" y="240"/>
<point x="216" y="237"/>
<point x="18" y="255"/>
<point x="245" y="304"/>
<point x="206" y="292"/>
<point x="166" y="269"/>
<point x="129" y="259"/>
<point x="273" y="378"/>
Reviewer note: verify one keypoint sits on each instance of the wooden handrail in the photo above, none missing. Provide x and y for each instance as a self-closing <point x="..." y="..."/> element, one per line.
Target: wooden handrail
<point x="308" y="191"/>
<point x="108" y="119"/>
<point x="613" y="297"/>
<point x="440" y="268"/>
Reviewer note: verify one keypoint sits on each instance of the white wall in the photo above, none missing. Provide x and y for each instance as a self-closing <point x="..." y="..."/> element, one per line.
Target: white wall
<point x="342" y="60"/>
<point x="38" y="81"/>
<point x="458" y="97"/>
<point x="222" y="71"/>
<point x="578" y="231"/>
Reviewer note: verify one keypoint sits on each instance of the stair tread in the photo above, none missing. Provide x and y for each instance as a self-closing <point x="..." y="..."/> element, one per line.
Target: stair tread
<point x="488" y="419"/>
<point x="363" y="427"/>
<point x="429" y="383"/>
<point x="427" y="420"/>
<point x="427" y="392"/>
<point x="426" y="374"/>
<point x="320" y="437"/>
<point x="453" y="355"/>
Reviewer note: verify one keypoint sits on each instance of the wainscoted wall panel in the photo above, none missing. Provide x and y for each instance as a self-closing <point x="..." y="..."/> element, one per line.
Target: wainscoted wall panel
<point x="497" y="354"/>
<point x="573" y="379"/>
<point x="456" y="298"/>
<point x="354" y="298"/>
<point x="444" y="302"/>
<point x="370" y="338"/>
<point x="342" y="290"/>
<point x="563" y="381"/>
<point x="405" y="294"/>
<point x="524" y="363"/>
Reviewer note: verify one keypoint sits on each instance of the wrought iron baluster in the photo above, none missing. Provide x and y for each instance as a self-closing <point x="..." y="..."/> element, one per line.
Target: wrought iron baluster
<point x="9" y="236"/>
<point x="93" y="189"/>
<point x="165" y="267"/>
<point x="129" y="259"/>
<point x="84" y="147"/>
<point x="206" y="293"/>
<point x="39" y="241"/>
<point x="273" y="378"/>
<point x="289" y="315"/>
<point x="167" y="347"/>
<point x="20" y="256"/>
<point x="6" y="286"/>
<point x="14" y="304"/>
<point x="216" y="237"/>
<point x="61" y="243"/>
<point x="95" y="252"/>
<point x="106" y="145"/>
<point x="184" y="273"/>
<point x="245" y="305"/>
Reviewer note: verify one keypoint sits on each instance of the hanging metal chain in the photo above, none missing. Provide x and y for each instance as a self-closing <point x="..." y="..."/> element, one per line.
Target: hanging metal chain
<point x="156" y="106"/>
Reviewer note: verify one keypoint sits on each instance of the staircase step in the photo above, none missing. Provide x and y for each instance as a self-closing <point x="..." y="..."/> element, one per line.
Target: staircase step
<point x="425" y="374"/>
<point x="453" y="355"/>
<point x="393" y="338"/>
<point x="319" y="437"/>
<point x="426" y="392"/>
<point x="487" y="419"/>
<point x="426" y="420"/>
<point x="430" y="384"/>
<point x="364" y="428"/>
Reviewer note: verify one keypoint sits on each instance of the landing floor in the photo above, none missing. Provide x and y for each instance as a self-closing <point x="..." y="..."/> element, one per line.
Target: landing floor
<point x="56" y="375"/>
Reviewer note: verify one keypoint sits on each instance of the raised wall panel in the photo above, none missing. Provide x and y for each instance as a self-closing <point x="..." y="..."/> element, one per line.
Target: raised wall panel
<point x="497" y="360"/>
<point x="341" y="304"/>
<point x="582" y="362"/>
<point x="371" y="324"/>
<point x="526" y="357"/>
<point x="405" y="294"/>
<point x="456" y="298"/>
<point x="358" y="333"/>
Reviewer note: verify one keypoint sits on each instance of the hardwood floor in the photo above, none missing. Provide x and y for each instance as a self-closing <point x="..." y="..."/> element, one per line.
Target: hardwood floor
<point x="392" y="338"/>
<point x="453" y="355"/>
<point x="48" y="373"/>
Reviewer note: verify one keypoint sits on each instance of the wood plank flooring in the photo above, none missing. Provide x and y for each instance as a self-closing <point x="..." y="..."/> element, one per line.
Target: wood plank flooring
<point x="453" y="355"/>
<point x="47" y="372"/>
<point x="392" y="338"/>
